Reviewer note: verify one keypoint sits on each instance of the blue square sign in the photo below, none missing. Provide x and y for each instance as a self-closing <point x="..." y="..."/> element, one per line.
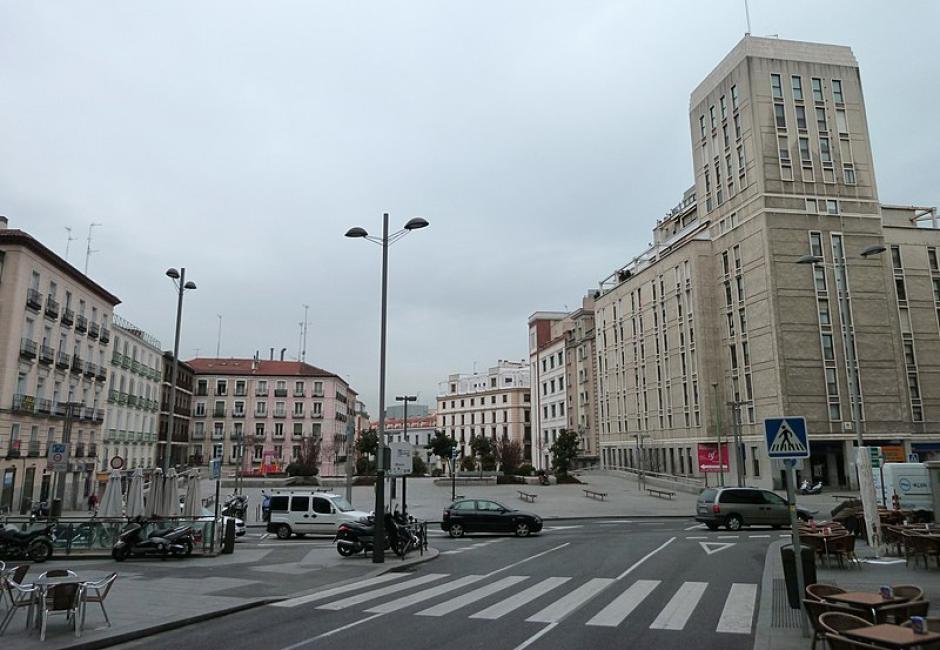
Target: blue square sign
<point x="786" y="437"/>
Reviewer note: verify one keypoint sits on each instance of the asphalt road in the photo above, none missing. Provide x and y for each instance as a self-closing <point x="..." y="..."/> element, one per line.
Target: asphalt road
<point x="643" y="583"/>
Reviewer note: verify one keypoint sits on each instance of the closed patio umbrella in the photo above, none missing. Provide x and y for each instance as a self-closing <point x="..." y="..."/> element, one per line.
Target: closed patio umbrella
<point x="170" y="503"/>
<point x="112" y="502"/>
<point x="135" y="495"/>
<point x="192" y="505"/>
<point x="154" y="495"/>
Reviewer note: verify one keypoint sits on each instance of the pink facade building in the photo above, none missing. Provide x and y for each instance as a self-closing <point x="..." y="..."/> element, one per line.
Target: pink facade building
<point x="250" y="412"/>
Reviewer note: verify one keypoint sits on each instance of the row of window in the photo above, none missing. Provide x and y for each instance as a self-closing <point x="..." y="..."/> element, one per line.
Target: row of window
<point x="261" y="409"/>
<point x="676" y="461"/>
<point x="261" y="388"/>
<point x="473" y="401"/>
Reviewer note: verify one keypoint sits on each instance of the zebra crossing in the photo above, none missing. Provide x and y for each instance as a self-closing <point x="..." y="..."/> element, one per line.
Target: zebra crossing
<point x="619" y="601"/>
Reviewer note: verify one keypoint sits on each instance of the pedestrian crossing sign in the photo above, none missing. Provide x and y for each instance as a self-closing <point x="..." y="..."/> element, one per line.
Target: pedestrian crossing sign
<point x="786" y="437"/>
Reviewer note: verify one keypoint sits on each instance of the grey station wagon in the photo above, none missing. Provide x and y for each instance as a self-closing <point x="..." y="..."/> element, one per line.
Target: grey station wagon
<point x="736" y="507"/>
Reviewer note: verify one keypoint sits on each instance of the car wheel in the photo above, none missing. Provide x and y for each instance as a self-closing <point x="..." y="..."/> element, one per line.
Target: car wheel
<point x="522" y="529"/>
<point x="283" y="531"/>
<point x="711" y="525"/>
<point x="456" y="530"/>
<point x="733" y="522"/>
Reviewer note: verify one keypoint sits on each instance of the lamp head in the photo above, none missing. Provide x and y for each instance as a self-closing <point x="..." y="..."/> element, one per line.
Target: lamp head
<point x="810" y="259"/>
<point x="874" y="249"/>
<point x="415" y="223"/>
<point x="357" y="232"/>
<point x="189" y="285"/>
<point x="173" y="273"/>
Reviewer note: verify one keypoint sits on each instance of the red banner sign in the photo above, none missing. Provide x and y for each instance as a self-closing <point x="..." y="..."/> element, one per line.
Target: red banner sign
<point x="708" y="457"/>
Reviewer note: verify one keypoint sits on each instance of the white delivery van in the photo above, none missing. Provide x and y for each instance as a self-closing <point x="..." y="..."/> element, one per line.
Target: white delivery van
<point x="909" y="481"/>
<point x="308" y="512"/>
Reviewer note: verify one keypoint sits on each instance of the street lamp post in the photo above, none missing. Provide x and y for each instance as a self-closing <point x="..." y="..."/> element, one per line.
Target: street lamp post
<point x="179" y="279"/>
<point x="721" y="462"/>
<point x="378" y="554"/>
<point x="404" y="489"/>
<point x="639" y="459"/>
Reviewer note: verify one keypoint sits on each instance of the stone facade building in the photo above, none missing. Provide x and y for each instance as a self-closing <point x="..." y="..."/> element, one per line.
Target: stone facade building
<point x="718" y="316"/>
<point x="181" y="450"/>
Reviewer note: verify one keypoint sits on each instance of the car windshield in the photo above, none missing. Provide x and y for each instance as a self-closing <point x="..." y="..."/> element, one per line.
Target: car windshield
<point x="342" y="504"/>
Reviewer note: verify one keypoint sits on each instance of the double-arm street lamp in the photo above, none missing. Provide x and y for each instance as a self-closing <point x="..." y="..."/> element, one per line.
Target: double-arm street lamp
<point x="179" y="279"/>
<point x="378" y="554"/>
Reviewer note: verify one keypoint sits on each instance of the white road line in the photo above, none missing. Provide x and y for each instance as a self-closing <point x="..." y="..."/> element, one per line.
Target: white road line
<point x="421" y="596"/>
<point x="378" y="593"/>
<point x="699" y="526"/>
<point x="469" y="598"/>
<point x="570" y="602"/>
<point x="680" y="607"/>
<point x="531" y="557"/>
<point x="728" y="536"/>
<point x="326" y="593"/>
<point x="652" y="523"/>
<point x="696" y="537"/>
<point x="624" y="604"/>
<point x="516" y="601"/>
<point x="738" y="612"/>
<point x="646" y="557"/>
<point x="342" y="628"/>
<point x="758" y="536"/>
<point x="454" y="552"/>
<point x="535" y="637"/>
<point x="563" y="527"/>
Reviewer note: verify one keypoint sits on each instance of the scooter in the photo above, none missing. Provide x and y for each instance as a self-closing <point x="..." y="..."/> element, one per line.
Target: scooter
<point x="357" y="536"/>
<point x="805" y="487"/>
<point x="34" y="544"/>
<point x="235" y="506"/>
<point x="169" y="541"/>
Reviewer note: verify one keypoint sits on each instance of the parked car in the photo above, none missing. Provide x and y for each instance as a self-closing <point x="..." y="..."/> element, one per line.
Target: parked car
<point x="303" y="512"/>
<point x="736" y="507"/>
<point x="485" y="516"/>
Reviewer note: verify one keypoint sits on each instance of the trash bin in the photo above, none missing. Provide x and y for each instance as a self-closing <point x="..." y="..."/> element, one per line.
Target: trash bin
<point x="56" y="511"/>
<point x="228" y="536"/>
<point x="794" y="596"/>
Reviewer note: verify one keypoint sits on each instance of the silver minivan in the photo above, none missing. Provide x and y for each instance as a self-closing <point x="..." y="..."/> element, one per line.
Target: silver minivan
<point x="736" y="507"/>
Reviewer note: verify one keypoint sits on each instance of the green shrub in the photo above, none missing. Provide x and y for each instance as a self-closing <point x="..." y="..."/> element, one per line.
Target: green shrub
<point x="525" y="470"/>
<point x="301" y="469"/>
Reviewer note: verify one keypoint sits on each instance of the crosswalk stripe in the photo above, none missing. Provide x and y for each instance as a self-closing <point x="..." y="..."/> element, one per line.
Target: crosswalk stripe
<point x="624" y="604"/>
<point x="738" y="612"/>
<point x="421" y="596"/>
<point x="320" y="595"/>
<point x="378" y="593"/>
<point x="567" y="604"/>
<point x="680" y="607"/>
<point x="524" y="597"/>
<point x="469" y="598"/>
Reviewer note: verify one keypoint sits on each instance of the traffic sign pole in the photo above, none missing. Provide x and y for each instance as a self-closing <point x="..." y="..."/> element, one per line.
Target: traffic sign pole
<point x="795" y="538"/>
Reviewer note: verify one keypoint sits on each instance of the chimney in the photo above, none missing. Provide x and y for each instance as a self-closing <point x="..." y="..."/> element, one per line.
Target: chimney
<point x="272" y="354"/>
<point x="3" y="222"/>
<point x="283" y="350"/>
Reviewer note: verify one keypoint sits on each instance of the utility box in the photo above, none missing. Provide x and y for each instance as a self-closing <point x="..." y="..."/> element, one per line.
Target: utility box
<point x="794" y="595"/>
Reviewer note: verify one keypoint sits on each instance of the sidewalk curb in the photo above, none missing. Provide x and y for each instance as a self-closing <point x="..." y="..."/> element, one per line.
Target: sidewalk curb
<point x="765" y="614"/>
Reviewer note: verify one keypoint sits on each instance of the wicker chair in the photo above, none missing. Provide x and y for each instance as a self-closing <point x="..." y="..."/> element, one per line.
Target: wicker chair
<point x="814" y="609"/>
<point x="908" y="592"/>
<point x="901" y="612"/>
<point x="819" y="591"/>
<point x="843" y="547"/>
<point x="838" y="622"/>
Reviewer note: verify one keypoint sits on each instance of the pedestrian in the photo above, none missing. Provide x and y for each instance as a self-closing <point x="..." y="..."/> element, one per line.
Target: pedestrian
<point x="93" y="503"/>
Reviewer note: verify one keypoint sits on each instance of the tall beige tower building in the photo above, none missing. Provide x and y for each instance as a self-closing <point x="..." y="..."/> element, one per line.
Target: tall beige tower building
<point x="718" y="319"/>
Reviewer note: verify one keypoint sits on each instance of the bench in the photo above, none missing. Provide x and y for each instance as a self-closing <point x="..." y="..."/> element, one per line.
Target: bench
<point x="662" y="494"/>
<point x="525" y="496"/>
<point x="595" y="494"/>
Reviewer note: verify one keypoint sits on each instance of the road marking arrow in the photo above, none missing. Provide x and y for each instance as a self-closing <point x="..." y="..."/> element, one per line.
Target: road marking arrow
<point x="715" y="547"/>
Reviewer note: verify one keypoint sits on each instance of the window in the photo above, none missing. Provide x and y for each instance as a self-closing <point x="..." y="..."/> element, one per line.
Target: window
<point x="817" y="89"/>
<point x="837" y="91"/>
<point x="900" y="288"/>
<point x="775" y="88"/>
<point x="824" y="318"/>
<point x="811" y="207"/>
<point x="797" y="84"/>
<point x="896" y="258"/>
<point x="322" y="506"/>
<point x="737" y="126"/>
<point x="755" y="459"/>
<point x="783" y="149"/>
<point x="819" y="278"/>
<point x="741" y="160"/>
<point x="804" y="150"/>
<point x="828" y="350"/>
<point x="832" y="385"/>
<point x="849" y="173"/>
<point x="701" y="125"/>
<point x="832" y="206"/>
<point x="725" y="136"/>
<point x="801" y="118"/>
<point x="297" y="504"/>
<point x="724" y="107"/>
<point x="825" y="154"/>
<point x="932" y="258"/>
<point x="711" y="117"/>
<point x="780" y="115"/>
<point x="841" y="122"/>
<point x="734" y="98"/>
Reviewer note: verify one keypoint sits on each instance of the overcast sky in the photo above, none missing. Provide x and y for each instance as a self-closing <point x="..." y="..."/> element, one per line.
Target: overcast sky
<point x="540" y="139"/>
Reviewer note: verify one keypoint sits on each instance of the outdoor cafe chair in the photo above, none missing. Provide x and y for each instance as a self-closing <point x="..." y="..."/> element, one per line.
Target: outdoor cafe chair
<point x="60" y="599"/>
<point x="57" y="573"/>
<point x="838" y="622"/>
<point x="96" y="592"/>
<point x="837" y="642"/>
<point x="843" y="547"/>
<point x="901" y="612"/>
<point x="909" y="592"/>
<point x="21" y="597"/>
<point x="814" y="609"/>
<point x="819" y="591"/>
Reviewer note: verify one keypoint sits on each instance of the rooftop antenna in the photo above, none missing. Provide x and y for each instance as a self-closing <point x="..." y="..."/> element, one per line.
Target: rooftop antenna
<point x="303" y="353"/>
<point x="88" y="250"/>
<point x="68" y="242"/>
<point x="747" y="13"/>
<point x="300" y="339"/>
<point x="218" y="341"/>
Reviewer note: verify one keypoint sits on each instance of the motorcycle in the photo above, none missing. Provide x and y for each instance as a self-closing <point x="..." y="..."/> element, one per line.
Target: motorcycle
<point x="34" y="544"/>
<point x="40" y="510"/>
<point x="235" y="506"/>
<point x="358" y="536"/>
<point x="168" y="541"/>
<point x="805" y="487"/>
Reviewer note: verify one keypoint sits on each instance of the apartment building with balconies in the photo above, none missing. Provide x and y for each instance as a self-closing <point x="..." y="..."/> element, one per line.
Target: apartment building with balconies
<point x="182" y="450"/>
<point x="249" y="411"/>
<point x="495" y="404"/>
<point x="54" y="339"/>
<point x="132" y="411"/>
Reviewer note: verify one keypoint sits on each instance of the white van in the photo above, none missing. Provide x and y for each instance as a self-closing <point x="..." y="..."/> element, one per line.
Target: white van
<point x="909" y="481"/>
<point x="307" y="512"/>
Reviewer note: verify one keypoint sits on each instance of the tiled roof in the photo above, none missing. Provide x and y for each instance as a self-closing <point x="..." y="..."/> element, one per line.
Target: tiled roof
<point x="260" y="368"/>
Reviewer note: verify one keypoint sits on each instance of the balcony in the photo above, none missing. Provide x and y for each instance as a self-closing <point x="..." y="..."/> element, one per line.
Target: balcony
<point x="105" y="335"/>
<point x="132" y="400"/>
<point x="14" y="450"/>
<point x="32" y="449"/>
<point x="280" y="392"/>
<point x="238" y="414"/>
<point x="98" y="415"/>
<point x="221" y="393"/>
<point x="317" y="393"/>
<point x="52" y="308"/>
<point x="81" y="324"/>
<point x="68" y="317"/>
<point x="44" y="406"/>
<point x="125" y="362"/>
<point x="317" y="415"/>
<point x="199" y="414"/>
<point x="101" y="374"/>
<point x="77" y="365"/>
<point x="93" y="330"/>
<point x="24" y="403"/>
<point x="261" y="414"/>
<point x="33" y="300"/>
<point x="90" y="369"/>
<point x="298" y="393"/>
<point x="198" y="435"/>
<point x="87" y="413"/>
<point x="261" y="392"/>
<point x="135" y="366"/>
<point x="46" y="355"/>
<point x="92" y="451"/>
<point x="79" y="450"/>
<point x="218" y="435"/>
<point x="297" y="415"/>
<point x="297" y="436"/>
<point x="116" y="358"/>
<point x="122" y="398"/>
<point x="241" y="392"/>
<point x="218" y="413"/>
<point x="63" y="361"/>
<point x="61" y="409"/>
<point x="28" y="348"/>
<point x="280" y="414"/>
<point x="110" y="435"/>
<point x="113" y="396"/>
<point x="202" y="391"/>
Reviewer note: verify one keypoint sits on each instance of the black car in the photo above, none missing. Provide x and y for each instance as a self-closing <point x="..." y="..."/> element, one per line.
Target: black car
<point x="485" y="516"/>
